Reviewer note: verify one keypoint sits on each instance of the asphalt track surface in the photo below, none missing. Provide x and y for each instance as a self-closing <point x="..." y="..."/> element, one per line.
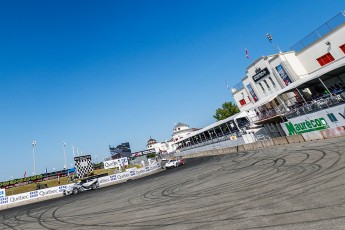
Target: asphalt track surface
<point x="298" y="186"/>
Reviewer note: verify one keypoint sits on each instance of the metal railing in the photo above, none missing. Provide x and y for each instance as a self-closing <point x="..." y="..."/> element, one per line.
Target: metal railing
<point x="313" y="106"/>
<point x="211" y="141"/>
<point x="237" y="87"/>
<point x="319" y="32"/>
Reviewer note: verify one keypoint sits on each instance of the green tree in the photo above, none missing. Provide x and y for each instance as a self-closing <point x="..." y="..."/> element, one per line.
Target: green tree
<point x="228" y="109"/>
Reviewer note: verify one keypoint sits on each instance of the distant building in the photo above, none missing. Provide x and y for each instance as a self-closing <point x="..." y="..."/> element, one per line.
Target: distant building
<point x="179" y="131"/>
<point x="182" y="130"/>
<point x="122" y="150"/>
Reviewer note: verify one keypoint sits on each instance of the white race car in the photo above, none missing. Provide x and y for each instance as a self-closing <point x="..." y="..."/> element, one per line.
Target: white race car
<point x="172" y="164"/>
<point x="82" y="185"/>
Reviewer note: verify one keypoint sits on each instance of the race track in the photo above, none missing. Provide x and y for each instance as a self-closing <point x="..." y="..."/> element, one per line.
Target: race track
<point x="298" y="186"/>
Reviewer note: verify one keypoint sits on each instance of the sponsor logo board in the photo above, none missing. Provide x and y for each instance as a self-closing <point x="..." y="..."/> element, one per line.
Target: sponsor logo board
<point x="307" y="126"/>
<point x="104" y="180"/>
<point x="124" y="175"/>
<point x="115" y="163"/>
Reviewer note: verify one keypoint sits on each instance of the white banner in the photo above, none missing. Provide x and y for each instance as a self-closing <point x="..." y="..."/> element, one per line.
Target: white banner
<point x="33" y="195"/>
<point x="122" y="176"/>
<point x="20" y="197"/>
<point x="115" y="163"/>
<point x="59" y="189"/>
<point x="105" y="180"/>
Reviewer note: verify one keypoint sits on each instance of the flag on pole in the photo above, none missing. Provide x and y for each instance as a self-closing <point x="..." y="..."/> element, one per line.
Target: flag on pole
<point x="25" y="174"/>
<point x="247" y="54"/>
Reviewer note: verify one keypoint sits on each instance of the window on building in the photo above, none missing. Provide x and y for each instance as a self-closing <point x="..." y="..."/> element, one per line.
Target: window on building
<point x="271" y="80"/>
<point x="268" y="87"/>
<point x="325" y="59"/>
<point x="242" y="102"/>
<point x="262" y="87"/>
<point x="342" y="48"/>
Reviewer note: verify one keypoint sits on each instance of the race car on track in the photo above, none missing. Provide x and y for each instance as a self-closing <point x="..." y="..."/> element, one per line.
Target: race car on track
<point x="86" y="184"/>
<point x="172" y="164"/>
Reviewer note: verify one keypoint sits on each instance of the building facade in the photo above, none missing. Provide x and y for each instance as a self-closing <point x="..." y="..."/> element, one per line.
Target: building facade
<point x="277" y="86"/>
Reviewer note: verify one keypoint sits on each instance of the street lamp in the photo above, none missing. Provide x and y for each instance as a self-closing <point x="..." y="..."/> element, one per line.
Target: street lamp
<point x="64" y="153"/>
<point x="33" y="143"/>
<point x="73" y="151"/>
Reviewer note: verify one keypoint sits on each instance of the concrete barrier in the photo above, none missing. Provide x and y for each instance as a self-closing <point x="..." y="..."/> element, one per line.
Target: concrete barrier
<point x="280" y="141"/>
<point x="248" y="146"/>
<point x="257" y="145"/>
<point x="267" y="143"/>
<point x="312" y="136"/>
<point x="230" y="150"/>
<point x="209" y="153"/>
<point x="335" y="132"/>
<point x="221" y="151"/>
<point x="295" y="138"/>
<point x="240" y="148"/>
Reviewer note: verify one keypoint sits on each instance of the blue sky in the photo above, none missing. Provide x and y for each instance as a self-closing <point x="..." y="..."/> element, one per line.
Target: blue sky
<point x="94" y="73"/>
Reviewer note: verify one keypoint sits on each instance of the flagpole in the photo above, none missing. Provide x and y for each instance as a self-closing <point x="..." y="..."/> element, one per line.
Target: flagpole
<point x="249" y="58"/>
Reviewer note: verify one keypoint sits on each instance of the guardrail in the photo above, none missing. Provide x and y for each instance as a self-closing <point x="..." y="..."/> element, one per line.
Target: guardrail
<point x="212" y="141"/>
<point x="316" y="105"/>
<point x="49" y="193"/>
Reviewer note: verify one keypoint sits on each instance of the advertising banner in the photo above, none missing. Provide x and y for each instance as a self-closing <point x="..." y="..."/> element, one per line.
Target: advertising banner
<point x="283" y="74"/>
<point x="104" y="180"/>
<point x="122" y="176"/>
<point x="115" y="163"/>
<point x="252" y="93"/>
<point x="111" y="164"/>
<point x="50" y="191"/>
<point x="321" y="120"/>
<point x="20" y="197"/>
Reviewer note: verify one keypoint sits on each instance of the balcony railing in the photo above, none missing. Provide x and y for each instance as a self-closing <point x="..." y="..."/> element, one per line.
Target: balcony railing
<point x="313" y="106"/>
<point x="319" y="32"/>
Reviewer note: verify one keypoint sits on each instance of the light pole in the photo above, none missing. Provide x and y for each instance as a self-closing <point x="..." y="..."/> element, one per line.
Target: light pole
<point x="64" y="154"/>
<point x="33" y="143"/>
<point x="73" y="151"/>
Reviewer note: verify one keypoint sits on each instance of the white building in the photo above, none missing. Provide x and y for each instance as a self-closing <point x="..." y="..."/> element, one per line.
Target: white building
<point x="278" y="85"/>
<point x="180" y="131"/>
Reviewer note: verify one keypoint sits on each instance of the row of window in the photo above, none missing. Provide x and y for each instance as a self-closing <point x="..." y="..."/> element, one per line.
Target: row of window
<point x="267" y="85"/>
<point x="243" y="101"/>
<point x="327" y="58"/>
